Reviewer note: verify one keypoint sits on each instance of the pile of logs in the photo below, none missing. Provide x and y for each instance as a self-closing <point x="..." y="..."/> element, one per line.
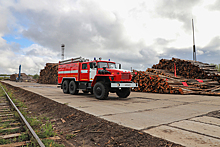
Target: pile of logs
<point x="183" y="68"/>
<point x="14" y="76"/>
<point x="189" y="69"/>
<point x="48" y="75"/>
<point x="192" y="77"/>
<point x="209" y="69"/>
<point x="152" y="83"/>
<point x="163" y="81"/>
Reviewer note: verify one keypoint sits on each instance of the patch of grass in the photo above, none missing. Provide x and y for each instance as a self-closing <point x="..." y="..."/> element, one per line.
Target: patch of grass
<point x="46" y="131"/>
<point x="51" y="143"/>
<point x="34" y="122"/>
<point x="9" y="130"/>
<point x="4" y="141"/>
<point x="4" y="124"/>
<point x="1" y="92"/>
<point x="4" y="78"/>
<point x="46" y="118"/>
<point x="42" y="130"/>
<point x="14" y="139"/>
<point x="70" y="136"/>
<point x="23" y="137"/>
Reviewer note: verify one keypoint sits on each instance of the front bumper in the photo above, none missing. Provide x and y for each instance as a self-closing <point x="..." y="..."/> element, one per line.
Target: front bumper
<point x="124" y="85"/>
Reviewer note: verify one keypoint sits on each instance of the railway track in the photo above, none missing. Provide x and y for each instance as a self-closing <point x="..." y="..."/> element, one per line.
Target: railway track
<point x="14" y="128"/>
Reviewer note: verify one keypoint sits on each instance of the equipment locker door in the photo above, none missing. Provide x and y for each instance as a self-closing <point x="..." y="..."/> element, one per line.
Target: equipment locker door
<point x="84" y="72"/>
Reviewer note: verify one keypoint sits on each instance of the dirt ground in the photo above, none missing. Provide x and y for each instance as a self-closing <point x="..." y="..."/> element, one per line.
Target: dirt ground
<point x="77" y="128"/>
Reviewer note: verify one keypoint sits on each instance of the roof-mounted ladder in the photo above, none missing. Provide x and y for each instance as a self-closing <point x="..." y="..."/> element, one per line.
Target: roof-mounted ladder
<point x="78" y="59"/>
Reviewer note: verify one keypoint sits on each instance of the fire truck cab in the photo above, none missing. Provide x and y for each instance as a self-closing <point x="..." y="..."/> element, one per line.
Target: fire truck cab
<point x="97" y="77"/>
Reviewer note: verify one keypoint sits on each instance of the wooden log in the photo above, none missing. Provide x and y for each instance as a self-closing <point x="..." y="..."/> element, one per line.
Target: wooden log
<point x="48" y="75"/>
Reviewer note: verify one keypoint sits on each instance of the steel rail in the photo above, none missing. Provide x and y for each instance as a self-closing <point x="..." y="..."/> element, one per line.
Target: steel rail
<point x="25" y="121"/>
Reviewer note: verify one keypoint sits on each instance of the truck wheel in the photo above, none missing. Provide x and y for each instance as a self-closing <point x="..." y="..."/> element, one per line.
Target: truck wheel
<point x="100" y="91"/>
<point x="124" y="92"/>
<point x="66" y="86"/>
<point x="73" y="88"/>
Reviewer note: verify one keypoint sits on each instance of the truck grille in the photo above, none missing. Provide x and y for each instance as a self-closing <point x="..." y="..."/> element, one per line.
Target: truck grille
<point x="125" y="76"/>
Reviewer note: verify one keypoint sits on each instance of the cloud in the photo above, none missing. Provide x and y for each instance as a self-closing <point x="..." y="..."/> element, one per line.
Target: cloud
<point x="215" y="6"/>
<point x="180" y="10"/>
<point x="32" y="59"/>
<point x="134" y="33"/>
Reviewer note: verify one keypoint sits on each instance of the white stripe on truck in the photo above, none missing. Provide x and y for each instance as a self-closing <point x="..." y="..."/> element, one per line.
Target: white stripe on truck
<point x="72" y="71"/>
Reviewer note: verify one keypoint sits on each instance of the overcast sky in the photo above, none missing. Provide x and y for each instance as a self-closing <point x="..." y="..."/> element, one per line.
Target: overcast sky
<point x="135" y="33"/>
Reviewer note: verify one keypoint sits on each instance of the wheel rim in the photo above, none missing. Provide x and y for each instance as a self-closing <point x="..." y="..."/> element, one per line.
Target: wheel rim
<point x="98" y="91"/>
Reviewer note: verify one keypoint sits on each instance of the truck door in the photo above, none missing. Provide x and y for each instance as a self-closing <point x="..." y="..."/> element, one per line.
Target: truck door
<point x="92" y="71"/>
<point x="84" y="72"/>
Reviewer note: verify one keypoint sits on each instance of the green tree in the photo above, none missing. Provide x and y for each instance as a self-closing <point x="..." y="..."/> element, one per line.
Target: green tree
<point x="36" y="76"/>
<point x="217" y="66"/>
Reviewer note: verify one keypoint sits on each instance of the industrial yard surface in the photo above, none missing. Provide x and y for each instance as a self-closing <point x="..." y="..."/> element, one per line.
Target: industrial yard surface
<point x="189" y="120"/>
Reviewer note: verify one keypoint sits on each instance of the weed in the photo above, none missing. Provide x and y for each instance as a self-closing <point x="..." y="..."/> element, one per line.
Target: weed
<point x="46" y="131"/>
<point x="51" y="143"/>
<point x="4" y="141"/>
<point x="34" y="122"/>
<point x="43" y="131"/>
<point x="14" y="139"/>
<point x="70" y="136"/>
<point x="46" y="118"/>
<point x="9" y="130"/>
<point x="23" y="137"/>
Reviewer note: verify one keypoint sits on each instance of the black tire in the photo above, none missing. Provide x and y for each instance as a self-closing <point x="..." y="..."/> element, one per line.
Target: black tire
<point x="124" y="92"/>
<point x="100" y="90"/>
<point x="66" y="87"/>
<point x="73" y="88"/>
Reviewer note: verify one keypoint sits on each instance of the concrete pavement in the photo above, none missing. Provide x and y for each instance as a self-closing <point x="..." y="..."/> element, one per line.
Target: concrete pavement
<point x="168" y="116"/>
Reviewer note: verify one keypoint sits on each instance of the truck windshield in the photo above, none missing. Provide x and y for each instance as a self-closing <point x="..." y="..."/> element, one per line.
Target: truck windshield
<point x="102" y="64"/>
<point x="112" y="65"/>
<point x="107" y="65"/>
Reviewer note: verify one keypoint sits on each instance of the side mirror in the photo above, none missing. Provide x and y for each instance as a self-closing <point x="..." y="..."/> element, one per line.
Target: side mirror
<point x="119" y="66"/>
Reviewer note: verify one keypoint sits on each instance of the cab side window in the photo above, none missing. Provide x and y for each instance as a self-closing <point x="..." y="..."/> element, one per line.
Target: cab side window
<point x="84" y="66"/>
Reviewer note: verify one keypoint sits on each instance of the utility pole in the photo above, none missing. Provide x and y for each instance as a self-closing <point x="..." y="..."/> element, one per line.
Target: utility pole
<point x="194" y="47"/>
<point x="62" y="48"/>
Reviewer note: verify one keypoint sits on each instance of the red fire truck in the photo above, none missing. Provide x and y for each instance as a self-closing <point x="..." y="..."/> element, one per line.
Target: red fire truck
<point x="97" y="76"/>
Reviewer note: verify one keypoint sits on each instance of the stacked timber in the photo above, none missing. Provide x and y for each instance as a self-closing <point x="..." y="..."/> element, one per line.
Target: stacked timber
<point x="192" y="77"/>
<point x="48" y="75"/>
<point x="164" y="81"/>
<point x="14" y="76"/>
<point x="210" y="70"/>
<point x="149" y="82"/>
<point x="189" y="69"/>
<point x="183" y="68"/>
